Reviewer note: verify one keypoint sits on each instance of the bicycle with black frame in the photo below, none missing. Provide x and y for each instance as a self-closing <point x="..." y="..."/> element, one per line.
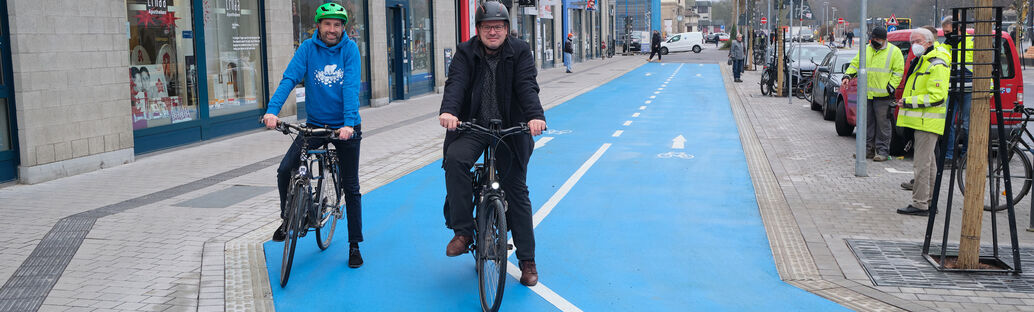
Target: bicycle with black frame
<point x="1021" y="170"/>
<point x="490" y="248"/>
<point x="313" y="202"/>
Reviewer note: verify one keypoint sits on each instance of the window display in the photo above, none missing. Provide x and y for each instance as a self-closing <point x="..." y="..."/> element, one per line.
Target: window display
<point x="234" y="56"/>
<point x="161" y="53"/>
<point x="303" y="16"/>
<point x="422" y="48"/>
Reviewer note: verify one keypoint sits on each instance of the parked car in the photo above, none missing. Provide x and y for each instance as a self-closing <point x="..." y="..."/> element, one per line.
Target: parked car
<point x="1012" y="84"/>
<point x="680" y="42"/>
<point x="826" y="91"/>
<point x="718" y="36"/>
<point x="803" y="59"/>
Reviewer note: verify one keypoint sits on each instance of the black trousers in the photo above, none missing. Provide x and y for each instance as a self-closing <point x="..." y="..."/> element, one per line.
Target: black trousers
<point x="348" y="177"/>
<point x="655" y="50"/>
<point x="459" y="210"/>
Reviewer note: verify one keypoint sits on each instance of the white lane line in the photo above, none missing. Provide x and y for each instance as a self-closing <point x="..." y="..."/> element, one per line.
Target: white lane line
<point x="628" y="122"/>
<point x="566" y="187"/>
<point x="642" y="107"/>
<point x="653" y="96"/>
<point x="698" y="75"/>
<point x="635" y="115"/>
<point x="542" y="142"/>
<point x="892" y="170"/>
<point x="617" y="133"/>
<point x="648" y="102"/>
<point x="660" y="89"/>
<point x="657" y="92"/>
<point x="543" y="291"/>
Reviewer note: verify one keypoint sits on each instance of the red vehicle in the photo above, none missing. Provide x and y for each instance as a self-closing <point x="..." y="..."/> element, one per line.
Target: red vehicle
<point x="1012" y="83"/>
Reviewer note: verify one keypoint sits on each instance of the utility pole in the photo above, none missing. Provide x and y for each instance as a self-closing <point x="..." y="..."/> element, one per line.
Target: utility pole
<point x="861" y="113"/>
<point x="789" y="97"/>
<point x="976" y="162"/>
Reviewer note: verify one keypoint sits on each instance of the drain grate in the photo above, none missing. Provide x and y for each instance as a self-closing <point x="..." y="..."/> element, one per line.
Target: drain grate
<point x="901" y="264"/>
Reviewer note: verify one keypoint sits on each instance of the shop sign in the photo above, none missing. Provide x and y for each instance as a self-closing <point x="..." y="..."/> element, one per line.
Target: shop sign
<point x="233" y="8"/>
<point x="157" y="7"/>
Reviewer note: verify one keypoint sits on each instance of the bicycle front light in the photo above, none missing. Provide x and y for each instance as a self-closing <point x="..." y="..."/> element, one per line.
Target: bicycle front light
<point x="495" y="185"/>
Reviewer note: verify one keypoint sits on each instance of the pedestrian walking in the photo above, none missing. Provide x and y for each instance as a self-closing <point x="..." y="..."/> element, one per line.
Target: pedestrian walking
<point x="885" y="67"/>
<point x="923" y="109"/>
<point x="737" y="55"/>
<point x="655" y="46"/>
<point x="850" y="39"/>
<point x="568" y="50"/>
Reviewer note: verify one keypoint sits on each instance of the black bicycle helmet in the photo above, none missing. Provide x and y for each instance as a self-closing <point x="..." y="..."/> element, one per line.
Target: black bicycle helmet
<point x="492" y="11"/>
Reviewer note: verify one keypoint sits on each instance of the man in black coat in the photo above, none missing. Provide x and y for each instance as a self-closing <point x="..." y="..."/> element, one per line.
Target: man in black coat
<point x="655" y="46"/>
<point x="491" y="77"/>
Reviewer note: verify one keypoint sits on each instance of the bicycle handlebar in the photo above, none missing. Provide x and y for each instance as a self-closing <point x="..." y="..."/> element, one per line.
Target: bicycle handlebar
<point x="473" y="127"/>
<point x="287" y="128"/>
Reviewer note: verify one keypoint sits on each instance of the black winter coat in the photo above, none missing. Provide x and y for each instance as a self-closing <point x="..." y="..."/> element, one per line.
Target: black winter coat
<point x="517" y="89"/>
<point x="655" y="41"/>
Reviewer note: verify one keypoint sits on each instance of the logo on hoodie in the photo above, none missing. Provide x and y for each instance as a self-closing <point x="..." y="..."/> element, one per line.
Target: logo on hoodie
<point x="330" y="75"/>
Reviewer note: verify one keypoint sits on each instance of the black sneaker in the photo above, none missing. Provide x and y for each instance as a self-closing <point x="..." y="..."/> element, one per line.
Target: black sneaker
<point x="355" y="259"/>
<point x="910" y="210"/>
<point x="908" y="185"/>
<point x="281" y="232"/>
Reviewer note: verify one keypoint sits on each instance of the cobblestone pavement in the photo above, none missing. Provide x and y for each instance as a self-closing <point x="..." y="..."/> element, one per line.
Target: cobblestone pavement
<point x="145" y="251"/>
<point x="815" y="172"/>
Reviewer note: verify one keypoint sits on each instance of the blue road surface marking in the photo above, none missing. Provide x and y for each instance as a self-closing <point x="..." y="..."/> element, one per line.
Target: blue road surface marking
<point x="637" y="232"/>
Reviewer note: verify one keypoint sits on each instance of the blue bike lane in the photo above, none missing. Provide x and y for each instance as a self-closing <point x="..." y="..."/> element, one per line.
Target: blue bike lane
<point x="643" y="203"/>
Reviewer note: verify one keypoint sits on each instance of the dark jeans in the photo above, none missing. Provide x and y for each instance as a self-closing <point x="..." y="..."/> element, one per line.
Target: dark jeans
<point x="655" y="50"/>
<point x="459" y="213"/>
<point x="348" y="177"/>
<point x="737" y="68"/>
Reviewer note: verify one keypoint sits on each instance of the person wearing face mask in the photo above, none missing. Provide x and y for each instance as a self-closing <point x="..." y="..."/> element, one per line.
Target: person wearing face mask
<point x="923" y="109"/>
<point x="329" y="65"/>
<point x="885" y="67"/>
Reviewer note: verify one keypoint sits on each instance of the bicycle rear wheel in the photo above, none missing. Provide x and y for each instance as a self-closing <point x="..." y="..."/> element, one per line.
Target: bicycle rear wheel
<point x="1020" y="173"/>
<point x="297" y="202"/>
<point x="766" y="83"/>
<point x="492" y="253"/>
<point x="329" y="198"/>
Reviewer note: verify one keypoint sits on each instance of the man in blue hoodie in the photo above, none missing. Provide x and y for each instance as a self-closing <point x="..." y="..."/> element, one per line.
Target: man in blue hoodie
<point x="329" y="65"/>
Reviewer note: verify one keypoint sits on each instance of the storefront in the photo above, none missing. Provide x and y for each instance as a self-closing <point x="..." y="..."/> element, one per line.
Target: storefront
<point x="195" y="72"/>
<point x="547" y="36"/>
<point x="303" y="18"/>
<point x="410" y="47"/>
<point x="8" y="128"/>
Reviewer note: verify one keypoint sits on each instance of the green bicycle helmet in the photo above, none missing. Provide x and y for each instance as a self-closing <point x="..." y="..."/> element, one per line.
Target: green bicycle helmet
<point x="332" y="10"/>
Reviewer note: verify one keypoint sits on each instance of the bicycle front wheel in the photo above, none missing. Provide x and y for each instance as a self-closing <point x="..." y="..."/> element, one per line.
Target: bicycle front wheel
<point x="329" y="198"/>
<point x="766" y="83"/>
<point x="1020" y="174"/>
<point x="492" y="253"/>
<point x="297" y="203"/>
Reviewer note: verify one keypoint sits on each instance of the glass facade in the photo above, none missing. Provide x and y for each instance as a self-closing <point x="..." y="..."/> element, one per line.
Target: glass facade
<point x="161" y="58"/>
<point x="421" y="47"/>
<point x="576" y="29"/>
<point x="234" y="57"/>
<point x="305" y="25"/>
<point x="548" y="46"/>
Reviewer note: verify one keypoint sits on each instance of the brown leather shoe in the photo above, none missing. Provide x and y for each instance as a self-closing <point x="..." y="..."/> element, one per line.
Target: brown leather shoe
<point x="529" y="274"/>
<point x="458" y="245"/>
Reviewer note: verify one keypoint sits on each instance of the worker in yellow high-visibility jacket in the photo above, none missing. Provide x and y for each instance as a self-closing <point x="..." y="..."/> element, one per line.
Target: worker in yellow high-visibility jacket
<point x="885" y="67"/>
<point x="923" y="109"/>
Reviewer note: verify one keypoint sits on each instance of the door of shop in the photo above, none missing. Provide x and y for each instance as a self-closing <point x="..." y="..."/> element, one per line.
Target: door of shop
<point x="398" y="52"/>
<point x="8" y="129"/>
<point x="547" y="43"/>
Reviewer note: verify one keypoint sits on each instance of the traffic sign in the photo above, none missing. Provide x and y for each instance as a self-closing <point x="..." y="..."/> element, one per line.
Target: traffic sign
<point x="764" y="20"/>
<point x="840" y="20"/>
<point x="891" y="28"/>
<point x="893" y="21"/>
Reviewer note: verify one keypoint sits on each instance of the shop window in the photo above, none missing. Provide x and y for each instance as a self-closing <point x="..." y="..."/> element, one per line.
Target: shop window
<point x="233" y="48"/>
<point x="422" y="47"/>
<point x="161" y="58"/>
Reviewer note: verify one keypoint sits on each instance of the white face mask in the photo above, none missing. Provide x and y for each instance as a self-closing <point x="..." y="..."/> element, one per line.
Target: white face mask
<point x="918" y="49"/>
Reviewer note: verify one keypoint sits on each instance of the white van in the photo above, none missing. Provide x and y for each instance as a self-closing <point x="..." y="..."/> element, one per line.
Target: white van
<point x="687" y="41"/>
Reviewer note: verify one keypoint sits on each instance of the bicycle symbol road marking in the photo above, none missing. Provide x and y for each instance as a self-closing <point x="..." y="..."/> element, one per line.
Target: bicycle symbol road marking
<point x="675" y="155"/>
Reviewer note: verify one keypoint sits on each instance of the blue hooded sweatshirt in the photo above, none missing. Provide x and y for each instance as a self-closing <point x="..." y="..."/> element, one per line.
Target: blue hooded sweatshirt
<point x="331" y="76"/>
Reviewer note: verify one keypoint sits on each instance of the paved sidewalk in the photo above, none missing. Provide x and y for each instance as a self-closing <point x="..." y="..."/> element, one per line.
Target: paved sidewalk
<point x="134" y="237"/>
<point x="830" y="206"/>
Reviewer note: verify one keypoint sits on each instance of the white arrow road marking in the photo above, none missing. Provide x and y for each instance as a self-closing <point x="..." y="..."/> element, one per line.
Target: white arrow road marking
<point x="635" y="115"/>
<point x="542" y="142"/>
<point x="678" y="142"/>
<point x="642" y="107"/>
<point x="617" y="133"/>
<point x="628" y="122"/>
<point x="892" y="170"/>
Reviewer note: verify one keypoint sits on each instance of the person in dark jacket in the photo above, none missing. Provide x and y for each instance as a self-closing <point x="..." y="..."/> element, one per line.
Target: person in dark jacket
<point x="655" y="46"/>
<point x="491" y="77"/>
<point x="568" y="52"/>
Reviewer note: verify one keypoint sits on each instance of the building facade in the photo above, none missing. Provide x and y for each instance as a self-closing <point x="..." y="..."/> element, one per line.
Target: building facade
<point x="97" y="83"/>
